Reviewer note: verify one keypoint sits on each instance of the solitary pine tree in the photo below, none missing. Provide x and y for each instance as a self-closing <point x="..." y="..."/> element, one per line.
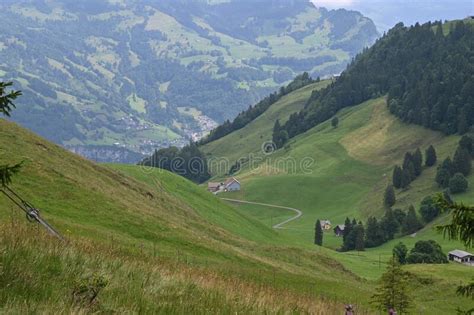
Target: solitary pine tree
<point x="430" y="156"/>
<point x="462" y="161"/>
<point x="393" y="289"/>
<point x="6" y="106"/>
<point x="417" y="162"/>
<point x="389" y="198"/>
<point x="318" y="233"/>
<point x="276" y="132"/>
<point x="335" y="122"/>
<point x="397" y="177"/>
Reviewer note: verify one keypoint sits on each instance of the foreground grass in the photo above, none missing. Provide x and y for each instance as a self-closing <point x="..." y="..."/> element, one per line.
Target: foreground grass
<point x="40" y="275"/>
<point x="164" y="244"/>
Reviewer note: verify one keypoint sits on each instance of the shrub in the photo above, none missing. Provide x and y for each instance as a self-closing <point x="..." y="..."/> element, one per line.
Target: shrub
<point x="458" y="183"/>
<point x="427" y="252"/>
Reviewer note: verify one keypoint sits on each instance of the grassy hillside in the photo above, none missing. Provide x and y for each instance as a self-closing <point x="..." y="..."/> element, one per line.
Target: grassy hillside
<point x="171" y="245"/>
<point x="347" y="169"/>
<point x="247" y="142"/>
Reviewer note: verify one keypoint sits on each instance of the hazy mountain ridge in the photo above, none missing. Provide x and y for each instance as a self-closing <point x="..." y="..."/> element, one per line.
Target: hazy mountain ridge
<point x="136" y="74"/>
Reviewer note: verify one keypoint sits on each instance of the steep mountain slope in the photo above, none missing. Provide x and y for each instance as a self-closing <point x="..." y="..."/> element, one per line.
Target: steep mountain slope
<point x="143" y="74"/>
<point x="157" y="243"/>
<point x="250" y="139"/>
<point x="425" y="71"/>
<point x="331" y="173"/>
<point x="173" y="246"/>
<point x="352" y="162"/>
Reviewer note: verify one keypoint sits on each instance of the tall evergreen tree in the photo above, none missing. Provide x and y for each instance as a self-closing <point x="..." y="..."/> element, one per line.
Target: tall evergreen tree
<point x="6" y="106"/>
<point x="389" y="224"/>
<point x="412" y="223"/>
<point x="407" y="159"/>
<point x="347" y="230"/>
<point x="462" y="161"/>
<point x="429" y="210"/>
<point x="393" y="289"/>
<point x="389" y="198"/>
<point x="411" y="171"/>
<point x="442" y="177"/>
<point x="466" y="142"/>
<point x="335" y="122"/>
<point x="276" y="133"/>
<point x="374" y="235"/>
<point x="417" y="160"/>
<point x="318" y="233"/>
<point x="359" y="232"/>
<point x="397" y="177"/>
<point x="448" y="165"/>
<point x="430" y="156"/>
<point x="406" y="178"/>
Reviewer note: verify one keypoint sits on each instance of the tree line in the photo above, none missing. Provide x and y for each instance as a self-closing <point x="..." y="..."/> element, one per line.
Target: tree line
<point x="394" y="222"/>
<point x="188" y="162"/>
<point x="451" y="173"/>
<point x="426" y="75"/>
<point x="245" y="117"/>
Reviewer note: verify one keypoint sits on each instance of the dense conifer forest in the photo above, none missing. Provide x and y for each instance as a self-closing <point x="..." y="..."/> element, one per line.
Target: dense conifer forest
<point x="426" y="71"/>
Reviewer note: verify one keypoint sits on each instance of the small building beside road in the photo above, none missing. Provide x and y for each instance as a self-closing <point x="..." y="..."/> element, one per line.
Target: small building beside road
<point x="231" y="184"/>
<point x="213" y="187"/>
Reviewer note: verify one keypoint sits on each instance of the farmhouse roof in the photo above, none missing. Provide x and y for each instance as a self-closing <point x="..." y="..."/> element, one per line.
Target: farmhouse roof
<point x="230" y="181"/>
<point x="213" y="185"/>
<point x="460" y="253"/>
<point x="341" y="227"/>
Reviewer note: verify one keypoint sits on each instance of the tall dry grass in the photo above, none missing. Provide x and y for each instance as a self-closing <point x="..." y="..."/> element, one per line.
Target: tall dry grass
<point x="38" y="274"/>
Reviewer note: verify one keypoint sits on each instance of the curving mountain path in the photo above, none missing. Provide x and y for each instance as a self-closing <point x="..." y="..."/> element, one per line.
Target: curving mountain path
<point x="299" y="213"/>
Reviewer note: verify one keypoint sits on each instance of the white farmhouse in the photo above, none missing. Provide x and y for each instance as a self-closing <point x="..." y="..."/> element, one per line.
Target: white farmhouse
<point x="231" y="184"/>
<point x="461" y="256"/>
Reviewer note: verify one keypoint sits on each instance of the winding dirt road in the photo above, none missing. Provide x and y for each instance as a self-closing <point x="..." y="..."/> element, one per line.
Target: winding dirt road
<point x="299" y="213"/>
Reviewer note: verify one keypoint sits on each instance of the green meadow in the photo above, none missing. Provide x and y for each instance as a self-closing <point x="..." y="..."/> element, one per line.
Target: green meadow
<point x="348" y="170"/>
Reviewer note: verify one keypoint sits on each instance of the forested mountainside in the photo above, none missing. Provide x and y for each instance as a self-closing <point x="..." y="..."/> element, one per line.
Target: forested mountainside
<point x="427" y="71"/>
<point x="143" y="74"/>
